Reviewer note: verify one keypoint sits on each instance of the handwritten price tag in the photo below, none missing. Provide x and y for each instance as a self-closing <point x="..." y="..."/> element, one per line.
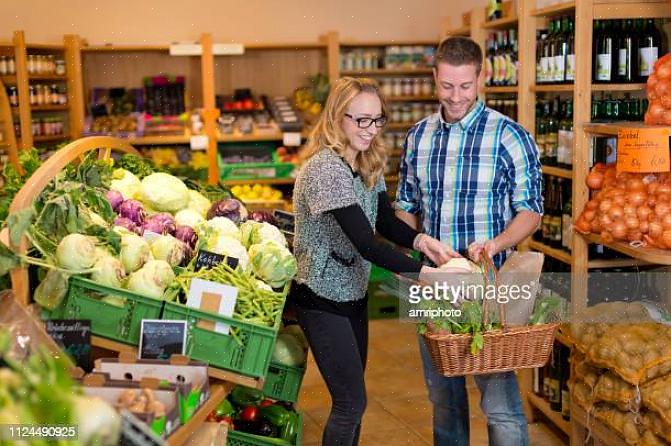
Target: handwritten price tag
<point x="643" y="150"/>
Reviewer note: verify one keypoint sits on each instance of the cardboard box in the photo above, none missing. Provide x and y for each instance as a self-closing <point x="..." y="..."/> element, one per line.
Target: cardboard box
<point x="102" y="386"/>
<point x="189" y="377"/>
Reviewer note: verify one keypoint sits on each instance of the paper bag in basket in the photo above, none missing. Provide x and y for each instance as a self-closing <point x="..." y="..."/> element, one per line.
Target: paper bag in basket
<point x="522" y="269"/>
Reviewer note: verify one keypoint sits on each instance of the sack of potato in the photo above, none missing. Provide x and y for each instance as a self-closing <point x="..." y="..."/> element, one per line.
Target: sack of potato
<point x="657" y="397"/>
<point x="582" y="395"/>
<point x="654" y="423"/>
<point x="624" y="423"/>
<point x="638" y="353"/>
<point x="611" y="389"/>
<point x="650" y="439"/>
<point x="585" y="371"/>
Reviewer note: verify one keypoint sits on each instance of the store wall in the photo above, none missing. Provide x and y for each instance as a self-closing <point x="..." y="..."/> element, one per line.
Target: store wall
<point x="165" y="21"/>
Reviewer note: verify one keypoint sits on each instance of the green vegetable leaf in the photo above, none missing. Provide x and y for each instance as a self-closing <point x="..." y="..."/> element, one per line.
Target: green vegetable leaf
<point x="477" y="343"/>
<point x="8" y="260"/>
<point x="18" y="224"/>
<point x="52" y="290"/>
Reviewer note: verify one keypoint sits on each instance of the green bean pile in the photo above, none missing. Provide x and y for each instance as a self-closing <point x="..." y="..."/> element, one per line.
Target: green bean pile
<point x="254" y="304"/>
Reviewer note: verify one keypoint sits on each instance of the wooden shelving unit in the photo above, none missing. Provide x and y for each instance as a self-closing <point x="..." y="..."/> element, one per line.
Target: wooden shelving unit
<point x="558" y="172"/>
<point x="557" y="254"/>
<point x="464" y="30"/>
<point x="48" y="108"/>
<point x="544" y="407"/>
<point x="50" y="138"/>
<point x="612" y="128"/>
<point x="400" y="125"/>
<point x="47" y="77"/>
<point x="495" y="90"/>
<point x="551" y="88"/>
<point x="8" y="80"/>
<point x="646" y="254"/>
<point x="618" y="87"/>
<point x="584" y="12"/>
<point x="410" y="98"/>
<point x="554" y="10"/>
<point x="387" y="72"/>
<point x="503" y="23"/>
<point x="583" y="423"/>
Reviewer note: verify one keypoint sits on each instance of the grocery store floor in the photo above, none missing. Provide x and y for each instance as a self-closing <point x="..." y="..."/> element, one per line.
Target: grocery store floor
<point x="399" y="411"/>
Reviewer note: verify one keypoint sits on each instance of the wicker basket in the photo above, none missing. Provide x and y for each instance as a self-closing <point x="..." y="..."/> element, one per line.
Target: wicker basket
<point x="504" y="349"/>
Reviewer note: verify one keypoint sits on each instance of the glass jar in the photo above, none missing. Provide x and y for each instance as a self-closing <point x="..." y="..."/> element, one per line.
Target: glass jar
<point x="417" y="111"/>
<point x="427" y="86"/>
<point x="368" y="60"/>
<point x="3" y="66"/>
<point x="13" y="96"/>
<point x="429" y="109"/>
<point x="11" y="66"/>
<point x="406" y="113"/>
<point x="63" y="96"/>
<point x="398" y="87"/>
<point x="387" y="87"/>
<point x="395" y="113"/>
<point x="416" y="87"/>
<point x="358" y="60"/>
<point x="389" y="140"/>
<point x="39" y="94"/>
<point x="31" y="64"/>
<point x="60" y="67"/>
<point x="55" y="97"/>
<point x="407" y="87"/>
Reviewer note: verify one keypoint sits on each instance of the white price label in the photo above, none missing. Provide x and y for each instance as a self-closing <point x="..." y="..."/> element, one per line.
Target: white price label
<point x="199" y="142"/>
<point x="291" y="139"/>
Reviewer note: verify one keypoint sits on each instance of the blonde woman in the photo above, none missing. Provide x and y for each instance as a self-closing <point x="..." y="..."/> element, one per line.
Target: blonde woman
<point x="340" y="203"/>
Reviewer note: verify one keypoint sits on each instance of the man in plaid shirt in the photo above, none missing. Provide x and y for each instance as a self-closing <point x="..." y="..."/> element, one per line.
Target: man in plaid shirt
<point x="471" y="178"/>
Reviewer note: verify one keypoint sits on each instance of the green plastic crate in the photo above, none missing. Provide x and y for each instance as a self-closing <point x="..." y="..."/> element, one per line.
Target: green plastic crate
<point x="252" y="171"/>
<point x="237" y="438"/>
<point x="283" y="382"/>
<point x="250" y="356"/>
<point x="121" y="324"/>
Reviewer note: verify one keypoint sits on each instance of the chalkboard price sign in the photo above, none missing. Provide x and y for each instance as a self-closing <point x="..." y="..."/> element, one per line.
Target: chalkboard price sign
<point x="207" y="259"/>
<point x="74" y="337"/>
<point x="159" y="339"/>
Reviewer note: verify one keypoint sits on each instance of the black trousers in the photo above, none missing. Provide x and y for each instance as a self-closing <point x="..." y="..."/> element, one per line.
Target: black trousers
<point x="339" y="343"/>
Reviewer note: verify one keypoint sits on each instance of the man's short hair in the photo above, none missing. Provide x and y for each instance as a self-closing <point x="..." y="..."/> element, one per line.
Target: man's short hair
<point x="459" y="51"/>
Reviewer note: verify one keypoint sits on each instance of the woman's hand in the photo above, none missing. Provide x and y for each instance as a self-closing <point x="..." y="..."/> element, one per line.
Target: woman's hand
<point x="430" y="275"/>
<point x="432" y="248"/>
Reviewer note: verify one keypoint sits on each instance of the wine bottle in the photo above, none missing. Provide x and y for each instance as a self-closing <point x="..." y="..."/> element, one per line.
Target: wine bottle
<point x="555" y="378"/>
<point x="552" y="52"/>
<point x="605" y="55"/>
<point x="514" y="62"/>
<point x="565" y="392"/>
<point x="540" y="42"/>
<point x="556" y="220"/>
<point x="565" y="137"/>
<point x="626" y="54"/>
<point x="570" y="52"/>
<point x="561" y="45"/>
<point x="648" y="50"/>
<point x="494" y="10"/>
<point x="567" y="233"/>
<point x="551" y="136"/>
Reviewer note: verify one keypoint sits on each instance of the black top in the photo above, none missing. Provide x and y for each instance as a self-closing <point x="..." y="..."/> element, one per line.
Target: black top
<point x="356" y="226"/>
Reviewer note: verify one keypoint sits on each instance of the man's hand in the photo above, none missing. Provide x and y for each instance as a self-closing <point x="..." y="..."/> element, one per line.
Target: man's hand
<point x="489" y="247"/>
<point x="436" y="251"/>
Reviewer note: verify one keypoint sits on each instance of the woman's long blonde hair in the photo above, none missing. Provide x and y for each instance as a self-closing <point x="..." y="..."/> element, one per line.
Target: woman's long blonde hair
<point x="328" y="132"/>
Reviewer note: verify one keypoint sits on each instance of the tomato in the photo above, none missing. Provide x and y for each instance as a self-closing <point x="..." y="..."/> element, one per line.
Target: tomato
<point x="227" y="420"/>
<point x="211" y="417"/>
<point x="249" y="413"/>
<point x="266" y="403"/>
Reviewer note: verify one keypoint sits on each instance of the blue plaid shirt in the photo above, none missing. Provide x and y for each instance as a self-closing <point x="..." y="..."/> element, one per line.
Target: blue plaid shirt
<point x="467" y="180"/>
